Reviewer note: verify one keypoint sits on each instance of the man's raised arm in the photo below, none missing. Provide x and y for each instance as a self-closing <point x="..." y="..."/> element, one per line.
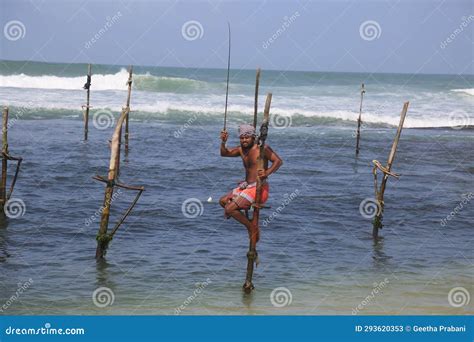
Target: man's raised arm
<point x="225" y="152"/>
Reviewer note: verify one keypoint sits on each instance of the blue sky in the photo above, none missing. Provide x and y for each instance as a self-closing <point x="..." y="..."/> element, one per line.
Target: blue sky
<point x="401" y="36"/>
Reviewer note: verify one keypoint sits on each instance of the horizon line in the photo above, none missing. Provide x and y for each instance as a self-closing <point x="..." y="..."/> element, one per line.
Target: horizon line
<point x="244" y="69"/>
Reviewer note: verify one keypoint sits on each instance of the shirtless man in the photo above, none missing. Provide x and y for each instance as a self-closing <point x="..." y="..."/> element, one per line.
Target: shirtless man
<point x="242" y="197"/>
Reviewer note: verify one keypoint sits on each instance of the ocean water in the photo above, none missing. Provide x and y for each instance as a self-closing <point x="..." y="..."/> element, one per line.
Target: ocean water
<point x="316" y="252"/>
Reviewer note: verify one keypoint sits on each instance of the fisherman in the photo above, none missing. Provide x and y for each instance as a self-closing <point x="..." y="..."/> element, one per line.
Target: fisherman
<point x="243" y="196"/>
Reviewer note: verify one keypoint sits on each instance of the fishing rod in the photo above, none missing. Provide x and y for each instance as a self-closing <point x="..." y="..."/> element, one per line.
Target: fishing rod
<point x="227" y="89"/>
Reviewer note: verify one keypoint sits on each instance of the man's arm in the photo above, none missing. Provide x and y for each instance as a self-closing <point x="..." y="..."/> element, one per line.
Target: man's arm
<point x="276" y="162"/>
<point x="225" y="152"/>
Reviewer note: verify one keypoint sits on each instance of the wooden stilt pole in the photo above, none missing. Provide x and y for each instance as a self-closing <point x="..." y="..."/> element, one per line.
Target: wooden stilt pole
<point x="387" y="171"/>
<point x="129" y="83"/>
<point x="359" y="121"/>
<point x="4" y="195"/>
<point x="261" y="162"/>
<point x="3" y="185"/>
<point x="87" y="86"/>
<point x="255" y="106"/>
<point x="103" y="238"/>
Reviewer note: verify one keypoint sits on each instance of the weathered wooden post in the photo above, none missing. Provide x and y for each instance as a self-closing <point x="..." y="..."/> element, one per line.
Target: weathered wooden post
<point x="103" y="238"/>
<point x="359" y="121"/>
<point x="4" y="195"/>
<point x="255" y="105"/>
<point x="379" y="193"/>
<point x="87" y="86"/>
<point x="252" y="253"/>
<point x="129" y="83"/>
<point x="3" y="185"/>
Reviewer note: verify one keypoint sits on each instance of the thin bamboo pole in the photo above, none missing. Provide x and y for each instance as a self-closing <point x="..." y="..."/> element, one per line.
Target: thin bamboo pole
<point x="3" y="185"/>
<point x="4" y="194"/>
<point x="87" y="86"/>
<point x="377" y="223"/>
<point x="359" y="121"/>
<point x="129" y="83"/>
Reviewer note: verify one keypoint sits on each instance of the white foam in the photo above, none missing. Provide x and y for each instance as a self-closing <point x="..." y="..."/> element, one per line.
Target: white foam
<point x="426" y="111"/>
<point x="469" y="91"/>
<point x="99" y="82"/>
<point x="163" y="107"/>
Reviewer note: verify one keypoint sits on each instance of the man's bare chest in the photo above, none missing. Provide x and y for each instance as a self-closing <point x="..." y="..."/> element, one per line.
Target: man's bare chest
<point x="249" y="158"/>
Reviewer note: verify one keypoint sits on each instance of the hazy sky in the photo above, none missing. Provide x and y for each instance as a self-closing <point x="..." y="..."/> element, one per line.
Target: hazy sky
<point x="417" y="36"/>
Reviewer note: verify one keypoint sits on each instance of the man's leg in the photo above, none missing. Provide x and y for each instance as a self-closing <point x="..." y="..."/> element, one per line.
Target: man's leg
<point x="233" y="209"/>
<point x="225" y="199"/>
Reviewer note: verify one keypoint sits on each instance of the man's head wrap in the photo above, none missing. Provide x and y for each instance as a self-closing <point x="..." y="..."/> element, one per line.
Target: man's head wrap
<point x="246" y="130"/>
